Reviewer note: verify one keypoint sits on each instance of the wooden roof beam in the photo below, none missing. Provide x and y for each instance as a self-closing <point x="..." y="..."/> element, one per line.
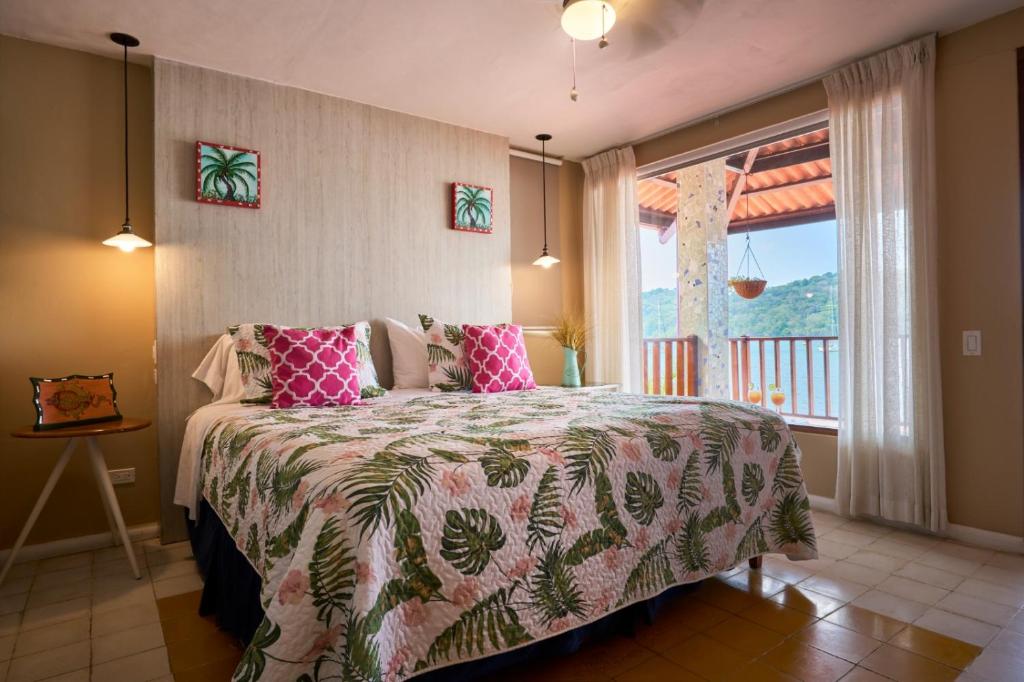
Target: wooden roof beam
<point x="741" y="182"/>
<point x="788" y="185"/>
<point x="785" y="219"/>
<point x="791" y="157"/>
<point x="661" y="182"/>
<point x="656" y="218"/>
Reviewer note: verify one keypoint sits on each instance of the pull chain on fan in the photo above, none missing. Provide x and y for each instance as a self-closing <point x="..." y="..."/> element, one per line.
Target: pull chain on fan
<point x="574" y="94"/>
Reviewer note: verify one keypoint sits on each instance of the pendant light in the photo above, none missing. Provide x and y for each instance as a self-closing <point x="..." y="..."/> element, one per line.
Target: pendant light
<point x="546" y="260"/>
<point x="126" y="239"/>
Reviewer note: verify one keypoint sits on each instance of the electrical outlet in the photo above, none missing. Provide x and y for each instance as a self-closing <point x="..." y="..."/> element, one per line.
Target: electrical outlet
<point x="122" y="476"/>
<point x="972" y="342"/>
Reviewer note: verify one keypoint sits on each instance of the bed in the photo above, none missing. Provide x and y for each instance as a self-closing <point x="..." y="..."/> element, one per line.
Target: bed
<point x="422" y="530"/>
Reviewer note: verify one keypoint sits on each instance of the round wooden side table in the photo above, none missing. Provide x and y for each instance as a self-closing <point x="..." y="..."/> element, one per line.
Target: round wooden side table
<point x="88" y="433"/>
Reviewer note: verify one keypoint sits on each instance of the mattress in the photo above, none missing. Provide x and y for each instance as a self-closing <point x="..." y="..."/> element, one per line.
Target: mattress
<point x="419" y="531"/>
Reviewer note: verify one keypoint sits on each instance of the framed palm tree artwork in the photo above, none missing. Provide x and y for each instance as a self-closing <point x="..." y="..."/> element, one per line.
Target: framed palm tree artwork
<point x="472" y="208"/>
<point x="226" y="175"/>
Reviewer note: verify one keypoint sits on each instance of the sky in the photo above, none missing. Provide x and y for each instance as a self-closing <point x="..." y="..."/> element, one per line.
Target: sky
<point x="785" y="254"/>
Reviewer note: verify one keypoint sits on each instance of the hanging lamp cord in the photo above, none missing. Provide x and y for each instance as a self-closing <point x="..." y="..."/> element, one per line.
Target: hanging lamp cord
<point x="544" y="190"/>
<point x="127" y="219"/>
<point x="748" y="253"/>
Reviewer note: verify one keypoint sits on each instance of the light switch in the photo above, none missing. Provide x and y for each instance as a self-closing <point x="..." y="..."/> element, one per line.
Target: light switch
<point x="972" y="342"/>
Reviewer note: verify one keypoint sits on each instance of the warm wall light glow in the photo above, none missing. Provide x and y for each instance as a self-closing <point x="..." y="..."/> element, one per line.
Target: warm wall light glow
<point x="587" y="19"/>
<point x="126" y="240"/>
<point x="546" y="261"/>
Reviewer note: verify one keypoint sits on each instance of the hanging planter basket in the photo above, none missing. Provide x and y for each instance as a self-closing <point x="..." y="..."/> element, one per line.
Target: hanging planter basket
<point x="748" y="288"/>
<point x="743" y="283"/>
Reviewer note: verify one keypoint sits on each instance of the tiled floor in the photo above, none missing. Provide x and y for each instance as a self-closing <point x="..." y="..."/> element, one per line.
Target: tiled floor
<point x="879" y="604"/>
<point x="85" y="616"/>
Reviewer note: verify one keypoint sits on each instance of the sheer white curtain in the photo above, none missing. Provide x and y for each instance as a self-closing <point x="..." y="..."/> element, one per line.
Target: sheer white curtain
<point x="611" y="269"/>
<point x="891" y="460"/>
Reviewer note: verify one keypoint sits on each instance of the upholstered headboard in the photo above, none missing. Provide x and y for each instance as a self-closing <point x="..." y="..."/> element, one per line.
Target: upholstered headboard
<point x="353" y="225"/>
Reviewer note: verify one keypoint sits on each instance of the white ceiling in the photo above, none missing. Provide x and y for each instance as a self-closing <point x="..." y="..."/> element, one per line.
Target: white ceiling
<point x="503" y="65"/>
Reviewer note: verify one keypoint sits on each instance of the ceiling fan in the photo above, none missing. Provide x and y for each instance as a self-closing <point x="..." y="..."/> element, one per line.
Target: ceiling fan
<point x="586" y="20"/>
<point x="645" y="26"/>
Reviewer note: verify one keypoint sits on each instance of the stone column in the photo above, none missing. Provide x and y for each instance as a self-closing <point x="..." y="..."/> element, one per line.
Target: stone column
<point x="701" y="228"/>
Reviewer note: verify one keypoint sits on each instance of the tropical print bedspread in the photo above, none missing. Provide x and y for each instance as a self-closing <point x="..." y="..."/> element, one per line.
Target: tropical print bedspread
<point x="398" y="538"/>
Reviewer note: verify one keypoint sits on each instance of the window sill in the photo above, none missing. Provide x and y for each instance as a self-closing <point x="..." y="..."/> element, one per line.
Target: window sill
<point x="829" y="427"/>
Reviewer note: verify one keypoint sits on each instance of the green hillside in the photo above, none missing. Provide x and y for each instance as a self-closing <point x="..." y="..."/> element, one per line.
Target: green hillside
<point x="803" y="307"/>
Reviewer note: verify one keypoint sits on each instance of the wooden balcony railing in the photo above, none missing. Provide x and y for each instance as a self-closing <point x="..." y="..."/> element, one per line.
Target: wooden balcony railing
<point x="670" y="366"/>
<point x="804" y="367"/>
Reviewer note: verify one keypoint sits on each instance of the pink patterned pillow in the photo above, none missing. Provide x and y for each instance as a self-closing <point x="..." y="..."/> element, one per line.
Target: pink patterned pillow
<point x="312" y="367"/>
<point x="497" y="358"/>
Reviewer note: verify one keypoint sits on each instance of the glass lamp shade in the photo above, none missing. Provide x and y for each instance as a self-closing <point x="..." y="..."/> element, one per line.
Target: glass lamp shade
<point x="583" y="20"/>
<point x="546" y="261"/>
<point x="126" y="240"/>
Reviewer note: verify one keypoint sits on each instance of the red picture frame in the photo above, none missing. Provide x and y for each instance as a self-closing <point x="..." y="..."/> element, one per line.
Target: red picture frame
<point x="74" y="400"/>
<point x="244" y="178"/>
<point x="463" y="219"/>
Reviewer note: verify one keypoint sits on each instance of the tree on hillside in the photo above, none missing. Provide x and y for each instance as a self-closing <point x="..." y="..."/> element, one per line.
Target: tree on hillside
<point x="806" y="307"/>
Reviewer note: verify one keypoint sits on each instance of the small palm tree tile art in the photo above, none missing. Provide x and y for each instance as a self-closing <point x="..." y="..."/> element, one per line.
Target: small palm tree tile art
<point x="227" y="175"/>
<point x="472" y="208"/>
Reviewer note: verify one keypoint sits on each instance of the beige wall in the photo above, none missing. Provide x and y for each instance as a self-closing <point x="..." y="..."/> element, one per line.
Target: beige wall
<point x="980" y="272"/>
<point x="539" y="296"/>
<point x="818" y="462"/>
<point x="799" y="102"/>
<point x="354" y="224"/>
<point x="70" y="304"/>
<point x="570" y="217"/>
<point x="979" y="265"/>
<point x="536" y="292"/>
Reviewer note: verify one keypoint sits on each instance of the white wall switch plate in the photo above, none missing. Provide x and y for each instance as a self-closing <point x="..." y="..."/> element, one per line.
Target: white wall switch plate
<point x="122" y="476"/>
<point x="972" y="342"/>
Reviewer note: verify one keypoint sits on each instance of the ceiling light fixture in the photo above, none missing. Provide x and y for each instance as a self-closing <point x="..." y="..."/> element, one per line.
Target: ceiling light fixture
<point x="588" y="19"/>
<point x="546" y="260"/>
<point x="126" y="239"/>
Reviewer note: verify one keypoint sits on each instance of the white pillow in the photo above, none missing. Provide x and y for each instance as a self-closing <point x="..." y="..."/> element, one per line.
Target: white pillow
<point x="220" y="372"/>
<point x="408" y="355"/>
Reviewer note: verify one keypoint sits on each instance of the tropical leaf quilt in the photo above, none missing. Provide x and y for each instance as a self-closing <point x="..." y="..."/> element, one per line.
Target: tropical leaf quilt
<point x="398" y="538"/>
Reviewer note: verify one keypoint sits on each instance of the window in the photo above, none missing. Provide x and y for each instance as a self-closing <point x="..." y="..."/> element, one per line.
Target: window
<point x="778" y="195"/>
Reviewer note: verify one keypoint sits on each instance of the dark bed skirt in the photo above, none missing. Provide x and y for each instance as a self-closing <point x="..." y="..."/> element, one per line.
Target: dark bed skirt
<point x="231" y="587"/>
<point x="231" y="593"/>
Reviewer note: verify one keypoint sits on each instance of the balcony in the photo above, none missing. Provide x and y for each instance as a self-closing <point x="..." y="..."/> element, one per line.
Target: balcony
<point x="805" y="368"/>
<point x="670" y="366"/>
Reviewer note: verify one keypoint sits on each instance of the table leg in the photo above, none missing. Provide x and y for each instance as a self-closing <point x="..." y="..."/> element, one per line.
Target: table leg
<point x="58" y="469"/>
<point x="99" y="468"/>
<point x="115" y="536"/>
